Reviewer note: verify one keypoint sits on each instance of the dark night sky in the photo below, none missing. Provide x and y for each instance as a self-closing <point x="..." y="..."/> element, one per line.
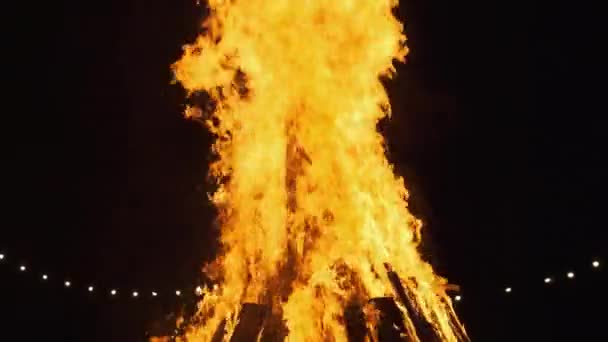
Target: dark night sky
<point x="497" y="128"/>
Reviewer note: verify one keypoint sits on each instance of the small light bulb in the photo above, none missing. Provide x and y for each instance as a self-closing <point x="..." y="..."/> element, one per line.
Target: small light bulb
<point x="135" y="294"/>
<point x="67" y="284"/>
<point x="595" y="264"/>
<point x="45" y="277"/>
<point x="570" y="275"/>
<point x="458" y="298"/>
<point x="22" y="268"/>
<point x="198" y="290"/>
<point x="547" y="280"/>
<point x="178" y="293"/>
<point x="113" y="292"/>
<point x="508" y="290"/>
<point x="91" y="288"/>
<point x="1" y="256"/>
<point x="154" y="294"/>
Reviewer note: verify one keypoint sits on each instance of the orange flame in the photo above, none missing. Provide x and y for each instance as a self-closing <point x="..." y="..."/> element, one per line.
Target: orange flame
<point x="310" y="207"/>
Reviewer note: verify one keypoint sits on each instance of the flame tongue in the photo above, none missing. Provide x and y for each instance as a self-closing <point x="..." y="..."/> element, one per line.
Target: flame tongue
<point x="310" y="208"/>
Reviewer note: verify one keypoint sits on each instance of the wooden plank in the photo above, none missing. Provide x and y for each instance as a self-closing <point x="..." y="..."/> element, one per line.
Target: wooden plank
<point x="250" y="324"/>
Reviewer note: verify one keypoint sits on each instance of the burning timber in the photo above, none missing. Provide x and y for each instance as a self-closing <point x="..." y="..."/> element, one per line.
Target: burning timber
<point x="395" y="319"/>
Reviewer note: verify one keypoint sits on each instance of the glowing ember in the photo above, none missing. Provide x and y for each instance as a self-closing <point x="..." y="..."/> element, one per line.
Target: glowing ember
<point x="311" y="212"/>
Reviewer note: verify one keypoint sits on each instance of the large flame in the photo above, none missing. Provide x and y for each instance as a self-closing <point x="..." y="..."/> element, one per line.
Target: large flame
<point x="311" y="210"/>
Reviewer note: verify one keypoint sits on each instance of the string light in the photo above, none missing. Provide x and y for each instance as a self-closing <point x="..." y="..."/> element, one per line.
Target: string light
<point x="199" y="290"/>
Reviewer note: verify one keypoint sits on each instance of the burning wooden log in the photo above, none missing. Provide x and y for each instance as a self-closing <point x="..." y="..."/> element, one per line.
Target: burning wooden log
<point x="390" y="325"/>
<point x="250" y="324"/>
<point x="256" y="322"/>
<point x="354" y="319"/>
<point x="422" y="327"/>
<point x="220" y="331"/>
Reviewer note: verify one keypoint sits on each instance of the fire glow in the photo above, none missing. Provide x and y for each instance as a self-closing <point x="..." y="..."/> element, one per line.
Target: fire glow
<point x="313" y="219"/>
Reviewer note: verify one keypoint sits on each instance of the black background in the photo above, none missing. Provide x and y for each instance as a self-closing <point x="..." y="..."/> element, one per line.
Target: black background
<point x="498" y="128"/>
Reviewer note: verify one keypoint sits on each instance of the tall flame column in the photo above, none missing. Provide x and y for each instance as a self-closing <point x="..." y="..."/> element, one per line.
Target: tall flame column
<point x="310" y="208"/>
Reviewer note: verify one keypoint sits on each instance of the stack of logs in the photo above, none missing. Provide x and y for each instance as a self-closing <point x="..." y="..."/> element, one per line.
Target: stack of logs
<point x="255" y="319"/>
